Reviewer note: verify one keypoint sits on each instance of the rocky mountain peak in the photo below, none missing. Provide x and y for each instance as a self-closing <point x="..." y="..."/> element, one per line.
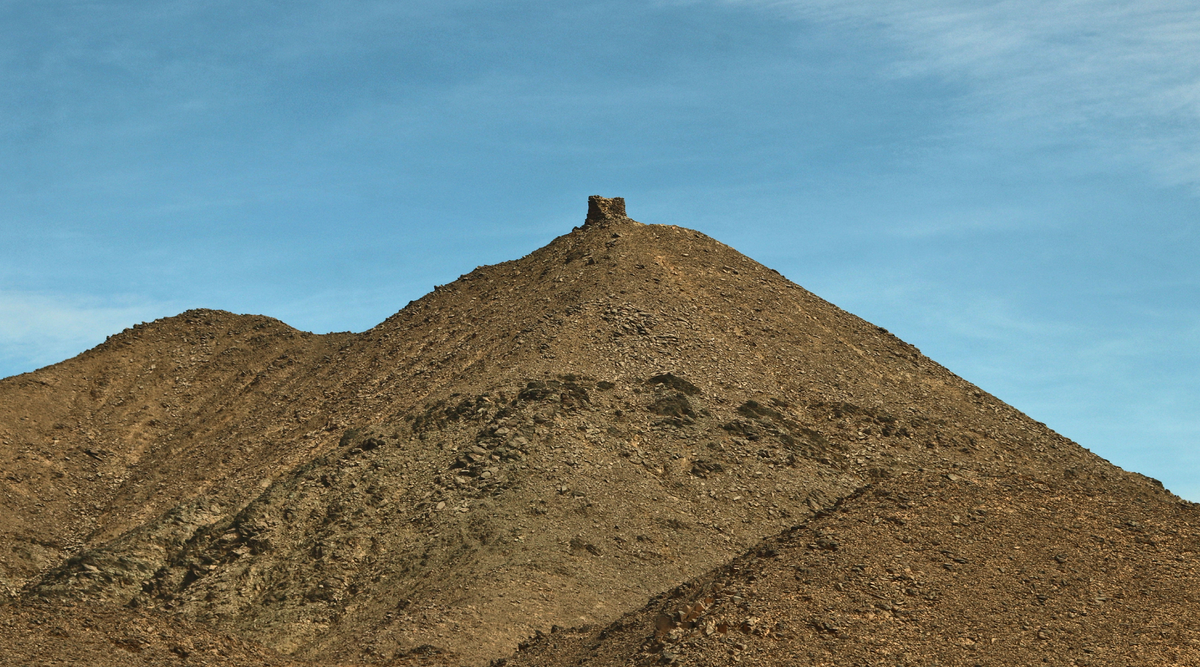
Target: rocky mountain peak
<point x="635" y="430"/>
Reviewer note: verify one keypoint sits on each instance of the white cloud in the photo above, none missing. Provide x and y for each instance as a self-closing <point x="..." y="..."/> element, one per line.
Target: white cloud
<point x="41" y="329"/>
<point x="1122" y="78"/>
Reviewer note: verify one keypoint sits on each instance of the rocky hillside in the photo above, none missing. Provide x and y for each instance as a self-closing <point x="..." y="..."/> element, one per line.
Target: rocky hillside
<point x="555" y="440"/>
<point x="930" y="569"/>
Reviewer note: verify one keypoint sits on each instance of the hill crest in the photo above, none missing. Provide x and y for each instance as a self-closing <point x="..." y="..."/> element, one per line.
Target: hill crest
<point x="546" y="441"/>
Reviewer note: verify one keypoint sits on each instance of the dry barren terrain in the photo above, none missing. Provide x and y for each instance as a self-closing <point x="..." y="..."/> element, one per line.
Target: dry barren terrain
<point x="632" y="446"/>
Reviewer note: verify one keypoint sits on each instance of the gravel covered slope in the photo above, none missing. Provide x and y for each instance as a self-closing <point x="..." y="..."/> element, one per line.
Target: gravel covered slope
<point x="932" y="569"/>
<point x="547" y="441"/>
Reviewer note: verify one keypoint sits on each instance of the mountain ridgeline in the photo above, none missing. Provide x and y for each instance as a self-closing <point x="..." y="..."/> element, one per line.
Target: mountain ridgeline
<point x="632" y="446"/>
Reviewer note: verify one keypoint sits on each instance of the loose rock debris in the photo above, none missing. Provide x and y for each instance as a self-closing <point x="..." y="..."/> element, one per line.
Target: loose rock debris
<point x="634" y="412"/>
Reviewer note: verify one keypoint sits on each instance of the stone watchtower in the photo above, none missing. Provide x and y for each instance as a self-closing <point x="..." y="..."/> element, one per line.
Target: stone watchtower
<point x="602" y="211"/>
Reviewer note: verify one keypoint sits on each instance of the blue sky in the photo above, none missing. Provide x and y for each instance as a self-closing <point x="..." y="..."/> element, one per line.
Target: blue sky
<point x="1011" y="186"/>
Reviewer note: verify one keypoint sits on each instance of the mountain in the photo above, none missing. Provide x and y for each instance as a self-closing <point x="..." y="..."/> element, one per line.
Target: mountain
<point x="632" y="412"/>
<point x="930" y="569"/>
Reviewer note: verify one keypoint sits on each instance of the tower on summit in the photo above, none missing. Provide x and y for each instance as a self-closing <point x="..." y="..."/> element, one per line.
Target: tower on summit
<point x="603" y="209"/>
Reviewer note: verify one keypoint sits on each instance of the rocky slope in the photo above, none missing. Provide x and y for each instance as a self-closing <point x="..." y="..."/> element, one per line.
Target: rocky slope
<point x="546" y="442"/>
<point x="100" y="636"/>
<point x="931" y="569"/>
<point x="157" y="416"/>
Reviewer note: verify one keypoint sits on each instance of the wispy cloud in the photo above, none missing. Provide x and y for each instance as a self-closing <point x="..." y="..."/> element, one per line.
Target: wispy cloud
<point x="1122" y="78"/>
<point x="41" y="329"/>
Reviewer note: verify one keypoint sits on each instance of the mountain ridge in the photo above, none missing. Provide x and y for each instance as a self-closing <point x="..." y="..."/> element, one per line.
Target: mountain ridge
<point x="544" y="442"/>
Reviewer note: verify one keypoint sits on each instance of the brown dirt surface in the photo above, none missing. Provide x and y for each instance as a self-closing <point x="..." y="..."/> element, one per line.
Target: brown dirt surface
<point x="552" y="441"/>
<point x="923" y="570"/>
<point x="100" y="636"/>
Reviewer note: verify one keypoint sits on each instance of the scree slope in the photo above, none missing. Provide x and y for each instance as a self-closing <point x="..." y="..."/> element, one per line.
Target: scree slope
<point x="632" y="446"/>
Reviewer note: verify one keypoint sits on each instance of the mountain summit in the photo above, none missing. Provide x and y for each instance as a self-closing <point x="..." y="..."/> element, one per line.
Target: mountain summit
<point x="633" y="412"/>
